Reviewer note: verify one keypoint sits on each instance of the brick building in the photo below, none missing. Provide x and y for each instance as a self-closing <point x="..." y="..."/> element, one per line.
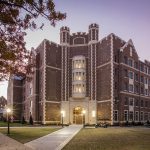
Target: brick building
<point x="87" y="80"/>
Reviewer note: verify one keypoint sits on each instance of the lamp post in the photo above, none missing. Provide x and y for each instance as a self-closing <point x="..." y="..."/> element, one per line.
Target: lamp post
<point x="83" y="112"/>
<point x="8" y="110"/>
<point x="62" y="117"/>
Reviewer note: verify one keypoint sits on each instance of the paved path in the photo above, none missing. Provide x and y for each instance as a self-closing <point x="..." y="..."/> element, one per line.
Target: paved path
<point x="56" y="140"/>
<point x="7" y="143"/>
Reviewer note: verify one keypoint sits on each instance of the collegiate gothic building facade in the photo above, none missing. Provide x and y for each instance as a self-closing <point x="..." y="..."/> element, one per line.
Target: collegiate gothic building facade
<point x="84" y="80"/>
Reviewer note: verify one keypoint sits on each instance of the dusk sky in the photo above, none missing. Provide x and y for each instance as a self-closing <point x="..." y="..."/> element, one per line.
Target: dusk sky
<point x="128" y="19"/>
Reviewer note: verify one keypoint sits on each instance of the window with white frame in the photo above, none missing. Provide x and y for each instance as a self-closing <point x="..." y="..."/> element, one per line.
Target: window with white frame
<point x="125" y="115"/>
<point x="130" y="87"/>
<point x="146" y="80"/>
<point x="131" y="118"/>
<point x="146" y="116"/>
<point x="130" y="62"/>
<point x="131" y="101"/>
<point x="136" y="116"/>
<point x="130" y="74"/>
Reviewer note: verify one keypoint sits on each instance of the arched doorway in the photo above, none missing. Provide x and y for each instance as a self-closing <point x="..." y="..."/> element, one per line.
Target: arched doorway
<point x="78" y="117"/>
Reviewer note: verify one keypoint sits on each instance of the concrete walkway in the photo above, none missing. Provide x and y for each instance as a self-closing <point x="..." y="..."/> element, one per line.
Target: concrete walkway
<point x="7" y="143"/>
<point x="56" y="140"/>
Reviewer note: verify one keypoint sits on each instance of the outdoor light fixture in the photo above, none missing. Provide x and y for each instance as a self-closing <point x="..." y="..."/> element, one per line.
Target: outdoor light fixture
<point x="8" y="110"/>
<point x="93" y="113"/>
<point x="62" y="117"/>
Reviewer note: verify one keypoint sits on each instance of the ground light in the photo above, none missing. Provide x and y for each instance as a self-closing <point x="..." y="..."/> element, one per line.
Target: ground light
<point x="8" y="110"/>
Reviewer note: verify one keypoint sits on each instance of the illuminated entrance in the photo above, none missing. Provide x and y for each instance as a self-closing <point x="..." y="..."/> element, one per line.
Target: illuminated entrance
<point x="78" y="115"/>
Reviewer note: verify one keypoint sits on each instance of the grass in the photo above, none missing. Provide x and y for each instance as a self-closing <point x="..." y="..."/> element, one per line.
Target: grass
<point x="111" y="139"/>
<point x="4" y="124"/>
<point x="25" y="135"/>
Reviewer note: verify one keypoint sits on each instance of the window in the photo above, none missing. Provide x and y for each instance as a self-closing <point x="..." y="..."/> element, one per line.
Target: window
<point x="125" y="60"/>
<point x="116" y="58"/>
<point x="116" y="71"/>
<point x="146" y="70"/>
<point x="149" y="116"/>
<point x="116" y="85"/>
<point x="125" y="72"/>
<point x="126" y="101"/>
<point x="136" y="116"/>
<point x="130" y="75"/>
<point x="136" y="65"/>
<point x="142" y="79"/>
<point x="136" y="77"/>
<point x="136" y="102"/>
<point x="130" y="62"/>
<point x="146" y="92"/>
<point x="146" y="103"/>
<point x="142" y="103"/>
<point x="142" y="67"/>
<point x="136" y="89"/>
<point x="146" y="80"/>
<point x="131" y="102"/>
<point x="142" y="116"/>
<point x="125" y="115"/>
<point x="131" y="116"/>
<point x="142" y="90"/>
<point x="130" y="88"/>
<point x="116" y="115"/>
<point x="126" y="86"/>
<point x="145" y="116"/>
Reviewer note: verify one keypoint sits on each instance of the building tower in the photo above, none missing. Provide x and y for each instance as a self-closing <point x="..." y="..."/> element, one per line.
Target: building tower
<point x="64" y="41"/>
<point x="92" y="47"/>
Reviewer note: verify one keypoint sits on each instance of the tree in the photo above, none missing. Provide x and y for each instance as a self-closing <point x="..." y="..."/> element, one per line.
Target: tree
<point x="15" y="18"/>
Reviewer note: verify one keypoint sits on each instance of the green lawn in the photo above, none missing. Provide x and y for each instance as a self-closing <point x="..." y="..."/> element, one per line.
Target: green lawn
<point x="4" y="124"/>
<point x="111" y="139"/>
<point x="25" y="135"/>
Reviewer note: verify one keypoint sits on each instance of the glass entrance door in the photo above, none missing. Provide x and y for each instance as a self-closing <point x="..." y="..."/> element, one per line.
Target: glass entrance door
<point x="78" y="117"/>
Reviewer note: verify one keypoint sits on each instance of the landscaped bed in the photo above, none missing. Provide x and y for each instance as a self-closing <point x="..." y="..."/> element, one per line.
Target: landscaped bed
<point x="111" y="139"/>
<point x="25" y="135"/>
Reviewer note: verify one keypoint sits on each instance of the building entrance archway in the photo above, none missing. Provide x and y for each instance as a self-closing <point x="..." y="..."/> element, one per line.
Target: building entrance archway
<point x="78" y="116"/>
